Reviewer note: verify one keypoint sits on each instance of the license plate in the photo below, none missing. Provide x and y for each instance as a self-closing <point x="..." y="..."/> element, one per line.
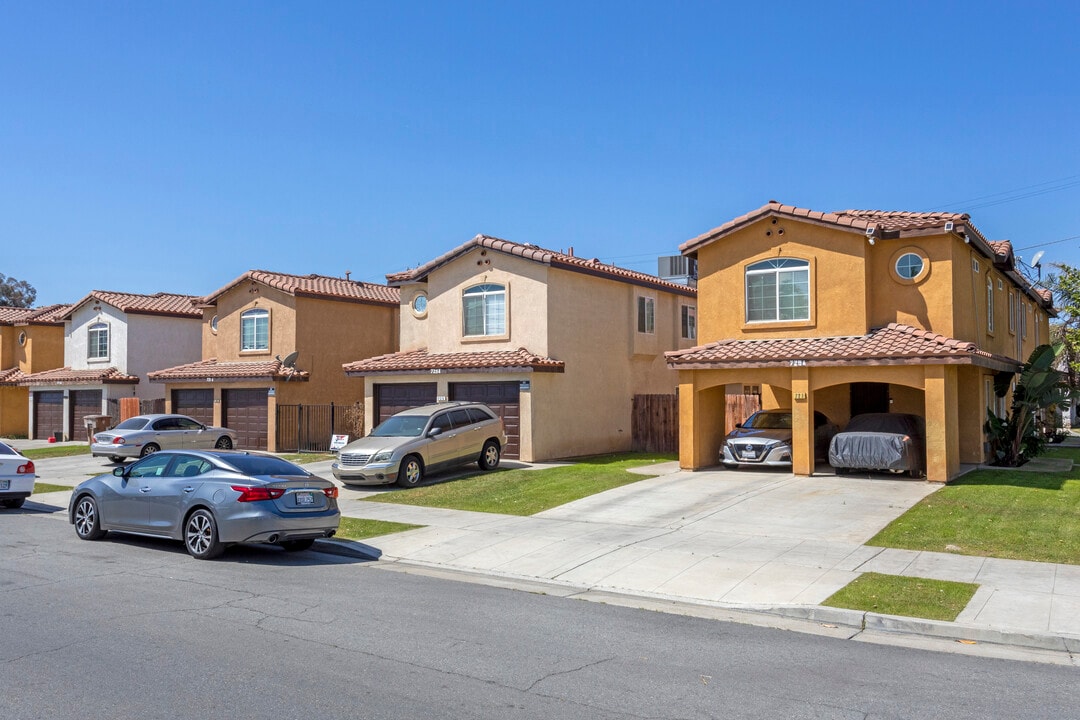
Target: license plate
<point x="305" y="498"/>
<point x="749" y="453"/>
<point x="5" y="484"/>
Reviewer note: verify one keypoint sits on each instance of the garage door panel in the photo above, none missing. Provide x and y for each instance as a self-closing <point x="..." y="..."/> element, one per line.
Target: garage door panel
<point x="82" y="403"/>
<point x="48" y="413"/>
<point x="502" y="397"/>
<point x="392" y="398"/>
<point x="246" y="412"/>
<point x="197" y="404"/>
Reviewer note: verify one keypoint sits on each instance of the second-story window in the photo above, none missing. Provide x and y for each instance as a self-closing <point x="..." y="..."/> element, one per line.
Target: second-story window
<point x="97" y="342"/>
<point x="778" y="289"/>
<point x="646" y="315"/>
<point x="689" y="322"/>
<point x="484" y="308"/>
<point x="255" y="330"/>
<point x="1012" y="312"/>
<point x="989" y="304"/>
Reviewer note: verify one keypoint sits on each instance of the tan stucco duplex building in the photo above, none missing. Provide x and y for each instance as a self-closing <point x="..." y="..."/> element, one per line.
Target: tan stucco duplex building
<point x="557" y="344"/>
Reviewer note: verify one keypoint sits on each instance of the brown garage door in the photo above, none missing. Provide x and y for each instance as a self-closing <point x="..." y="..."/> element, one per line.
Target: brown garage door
<point x="391" y="399"/>
<point x="245" y="412"/>
<point x="502" y="397"/>
<point x="82" y="403"/>
<point x="198" y="404"/>
<point x="48" y="413"/>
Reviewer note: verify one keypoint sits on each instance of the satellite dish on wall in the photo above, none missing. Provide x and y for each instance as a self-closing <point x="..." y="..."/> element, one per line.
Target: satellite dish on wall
<point x="289" y="363"/>
<point x="1038" y="256"/>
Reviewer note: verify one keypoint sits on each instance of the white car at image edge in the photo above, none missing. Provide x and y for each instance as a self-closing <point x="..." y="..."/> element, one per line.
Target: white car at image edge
<point x="16" y="477"/>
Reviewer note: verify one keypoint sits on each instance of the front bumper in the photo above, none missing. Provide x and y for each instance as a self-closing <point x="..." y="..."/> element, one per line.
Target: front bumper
<point x="766" y="455"/>
<point x="372" y="474"/>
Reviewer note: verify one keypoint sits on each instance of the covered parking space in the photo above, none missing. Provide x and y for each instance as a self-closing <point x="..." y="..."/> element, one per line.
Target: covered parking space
<point x="902" y="369"/>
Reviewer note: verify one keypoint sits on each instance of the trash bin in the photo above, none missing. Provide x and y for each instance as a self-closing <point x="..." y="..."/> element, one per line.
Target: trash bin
<point x="95" y="424"/>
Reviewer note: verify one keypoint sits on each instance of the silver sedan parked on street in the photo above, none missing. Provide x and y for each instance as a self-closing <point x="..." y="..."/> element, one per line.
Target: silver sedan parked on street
<point x="208" y="499"/>
<point x="142" y="435"/>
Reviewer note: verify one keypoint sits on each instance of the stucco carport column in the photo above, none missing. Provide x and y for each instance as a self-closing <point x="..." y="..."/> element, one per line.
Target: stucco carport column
<point x="702" y="418"/>
<point x="802" y="422"/>
<point x="942" y="423"/>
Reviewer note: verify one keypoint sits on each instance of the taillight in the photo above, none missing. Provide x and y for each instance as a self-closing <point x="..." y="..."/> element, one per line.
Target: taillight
<point x="255" y="494"/>
<point x="331" y="492"/>
<point x="118" y="441"/>
<point x="27" y="468"/>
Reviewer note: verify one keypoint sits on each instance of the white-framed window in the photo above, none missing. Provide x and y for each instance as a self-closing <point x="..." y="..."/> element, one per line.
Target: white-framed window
<point x="1024" y="310"/>
<point x="97" y="342"/>
<point x="989" y="304"/>
<point x="975" y="265"/>
<point x="909" y="266"/>
<point x="688" y="322"/>
<point x="778" y="289"/>
<point x="214" y="324"/>
<point x="1012" y="312"/>
<point x="484" y="310"/>
<point x="646" y="314"/>
<point x="1037" y="340"/>
<point x="255" y="329"/>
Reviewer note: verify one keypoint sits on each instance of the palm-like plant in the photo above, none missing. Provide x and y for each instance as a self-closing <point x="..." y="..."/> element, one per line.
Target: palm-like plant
<point x="1015" y="439"/>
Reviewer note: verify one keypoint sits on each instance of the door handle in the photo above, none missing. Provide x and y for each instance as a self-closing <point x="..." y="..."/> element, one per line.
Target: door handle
<point x="144" y="489"/>
<point x="189" y="488"/>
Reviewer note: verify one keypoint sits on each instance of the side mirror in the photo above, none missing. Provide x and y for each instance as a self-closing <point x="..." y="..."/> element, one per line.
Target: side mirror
<point x="120" y="472"/>
<point x="434" y="431"/>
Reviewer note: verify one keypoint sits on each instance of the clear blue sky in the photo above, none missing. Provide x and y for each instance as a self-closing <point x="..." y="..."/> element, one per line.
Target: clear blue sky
<point x="148" y="146"/>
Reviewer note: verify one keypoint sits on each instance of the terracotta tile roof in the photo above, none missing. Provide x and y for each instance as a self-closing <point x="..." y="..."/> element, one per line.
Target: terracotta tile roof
<point x="423" y="361"/>
<point x="166" y="304"/>
<point x="11" y="376"/>
<point x="894" y="344"/>
<point x="67" y="376"/>
<point x="317" y="286"/>
<point x="48" y="315"/>
<point x="206" y="369"/>
<point x="589" y="266"/>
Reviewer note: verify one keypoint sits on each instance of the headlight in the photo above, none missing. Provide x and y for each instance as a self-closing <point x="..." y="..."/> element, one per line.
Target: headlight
<point x="384" y="456"/>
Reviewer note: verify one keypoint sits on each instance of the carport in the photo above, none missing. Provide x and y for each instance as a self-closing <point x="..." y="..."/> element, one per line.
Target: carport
<point x="952" y="379"/>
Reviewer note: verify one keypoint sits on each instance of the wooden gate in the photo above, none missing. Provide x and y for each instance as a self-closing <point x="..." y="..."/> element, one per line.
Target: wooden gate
<point x="654" y="424"/>
<point x="740" y="407"/>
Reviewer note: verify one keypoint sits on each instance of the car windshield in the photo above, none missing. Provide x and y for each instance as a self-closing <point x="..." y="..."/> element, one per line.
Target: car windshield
<point x="401" y="426"/>
<point x="135" y="423"/>
<point x="769" y="421"/>
<point x="263" y="465"/>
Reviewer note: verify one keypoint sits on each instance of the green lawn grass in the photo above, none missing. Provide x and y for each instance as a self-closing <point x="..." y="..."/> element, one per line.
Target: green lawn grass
<point x="358" y="529"/>
<point x="305" y="457"/>
<point x="907" y="596"/>
<point x="526" y="492"/>
<point x="40" y="487"/>
<point x="997" y="513"/>
<point x="56" y="451"/>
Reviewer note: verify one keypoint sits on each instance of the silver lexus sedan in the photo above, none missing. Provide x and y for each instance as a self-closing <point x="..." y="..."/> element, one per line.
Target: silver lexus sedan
<point x="208" y="499"/>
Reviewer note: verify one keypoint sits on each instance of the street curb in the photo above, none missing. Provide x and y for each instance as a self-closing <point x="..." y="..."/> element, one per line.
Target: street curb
<point x="856" y="621"/>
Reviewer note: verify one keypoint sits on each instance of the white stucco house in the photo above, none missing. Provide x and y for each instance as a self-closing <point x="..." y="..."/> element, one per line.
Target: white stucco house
<point x="111" y="341"/>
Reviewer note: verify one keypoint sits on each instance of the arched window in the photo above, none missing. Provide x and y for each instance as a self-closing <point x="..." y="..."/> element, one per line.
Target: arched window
<point x="484" y="308"/>
<point x="255" y="329"/>
<point x="778" y="289"/>
<point x="97" y="342"/>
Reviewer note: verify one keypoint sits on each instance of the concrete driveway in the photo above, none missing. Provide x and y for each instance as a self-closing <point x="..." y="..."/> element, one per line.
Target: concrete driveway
<point x="740" y="537"/>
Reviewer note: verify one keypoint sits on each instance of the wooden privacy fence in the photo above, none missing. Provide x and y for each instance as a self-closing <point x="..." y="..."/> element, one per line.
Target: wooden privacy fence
<point x="121" y="409"/>
<point x="740" y="407"/>
<point x="654" y="423"/>
<point x="309" y="428"/>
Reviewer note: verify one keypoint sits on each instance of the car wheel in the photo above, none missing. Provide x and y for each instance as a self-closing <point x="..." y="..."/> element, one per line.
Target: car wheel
<point x="298" y="545"/>
<point x="149" y="449"/>
<point x="842" y="471"/>
<point x="489" y="456"/>
<point x="731" y="466"/>
<point x="87" y="521"/>
<point x="14" y="503"/>
<point x="115" y="459"/>
<point x="201" y="536"/>
<point x="411" y="472"/>
<point x="915" y="473"/>
<point x="224" y="443"/>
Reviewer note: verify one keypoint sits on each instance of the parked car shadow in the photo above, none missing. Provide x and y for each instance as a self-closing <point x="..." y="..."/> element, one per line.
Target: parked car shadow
<point x="34" y="508"/>
<point x="270" y="555"/>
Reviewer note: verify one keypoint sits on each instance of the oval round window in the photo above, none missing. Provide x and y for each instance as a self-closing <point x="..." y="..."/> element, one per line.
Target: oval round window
<point x="22" y="338"/>
<point x="909" y="266"/>
<point x="419" y="304"/>
<point x="213" y="323"/>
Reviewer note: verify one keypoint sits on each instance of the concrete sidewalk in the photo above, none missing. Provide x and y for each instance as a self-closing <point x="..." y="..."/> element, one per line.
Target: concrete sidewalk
<point x="759" y="541"/>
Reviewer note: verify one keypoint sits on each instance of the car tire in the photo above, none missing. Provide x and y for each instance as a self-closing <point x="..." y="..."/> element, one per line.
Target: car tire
<point x="87" y="519"/>
<point x="489" y="456"/>
<point x="201" y="535"/>
<point x="14" y="503"/>
<point x="298" y="545"/>
<point x="411" y="472"/>
<point x="149" y="449"/>
<point x="224" y="443"/>
<point x="115" y="459"/>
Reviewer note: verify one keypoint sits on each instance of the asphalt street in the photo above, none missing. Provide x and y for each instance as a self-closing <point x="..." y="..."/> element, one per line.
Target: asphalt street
<point x="134" y="628"/>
